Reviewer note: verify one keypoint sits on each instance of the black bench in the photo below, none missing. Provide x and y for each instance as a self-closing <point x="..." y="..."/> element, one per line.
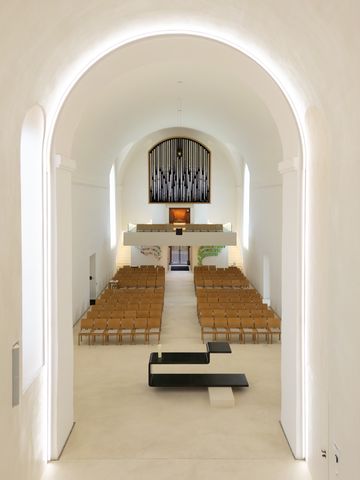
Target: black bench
<point x="194" y="379"/>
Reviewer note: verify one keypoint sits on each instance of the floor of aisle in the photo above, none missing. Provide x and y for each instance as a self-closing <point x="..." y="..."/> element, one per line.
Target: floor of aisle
<point x="127" y="430"/>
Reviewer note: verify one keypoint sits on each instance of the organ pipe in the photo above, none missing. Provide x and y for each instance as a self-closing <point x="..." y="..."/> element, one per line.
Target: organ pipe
<point x="179" y="172"/>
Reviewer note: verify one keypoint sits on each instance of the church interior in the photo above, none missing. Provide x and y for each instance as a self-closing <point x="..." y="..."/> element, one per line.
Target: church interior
<point x="179" y="234"/>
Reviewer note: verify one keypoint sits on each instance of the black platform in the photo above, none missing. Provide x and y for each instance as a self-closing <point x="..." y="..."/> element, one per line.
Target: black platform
<point x="194" y="379"/>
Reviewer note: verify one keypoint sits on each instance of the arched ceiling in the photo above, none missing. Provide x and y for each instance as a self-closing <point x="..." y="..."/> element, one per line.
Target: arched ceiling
<point x="176" y="81"/>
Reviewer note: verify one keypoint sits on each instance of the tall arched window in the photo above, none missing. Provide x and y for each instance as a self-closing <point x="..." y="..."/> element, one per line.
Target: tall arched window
<point x="246" y="207"/>
<point x="112" y="202"/>
<point x="32" y="245"/>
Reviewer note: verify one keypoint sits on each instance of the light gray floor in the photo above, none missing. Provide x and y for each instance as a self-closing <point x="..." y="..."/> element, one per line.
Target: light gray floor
<point x="126" y="430"/>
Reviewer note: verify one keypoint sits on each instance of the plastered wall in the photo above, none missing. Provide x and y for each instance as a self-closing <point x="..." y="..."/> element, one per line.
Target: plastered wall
<point x="91" y="234"/>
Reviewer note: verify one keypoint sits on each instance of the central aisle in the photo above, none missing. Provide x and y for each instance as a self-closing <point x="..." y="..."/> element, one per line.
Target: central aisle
<point x="127" y="430"/>
<point x="180" y="323"/>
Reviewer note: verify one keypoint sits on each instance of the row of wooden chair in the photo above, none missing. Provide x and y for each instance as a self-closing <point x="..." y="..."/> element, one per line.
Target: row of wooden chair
<point x="139" y="282"/>
<point x="224" y="291"/>
<point x="103" y="313"/>
<point x="219" y="299"/>
<point x="139" y="272"/>
<point x="240" y="327"/>
<point x="119" y="328"/>
<point x="221" y="282"/>
<point x="133" y="293"/>
<point x="236" y="274"/>
<point x="232" y="305"/>
<point x="228" y="312"/>
<point x="229" y="292"/>
<point x="144" y="268"/>
<point x="104" y="302"/>
<point x="212" y="268"/>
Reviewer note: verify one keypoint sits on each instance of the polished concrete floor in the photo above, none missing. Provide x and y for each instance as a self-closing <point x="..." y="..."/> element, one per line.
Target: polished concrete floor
<point x="126" y="430"/>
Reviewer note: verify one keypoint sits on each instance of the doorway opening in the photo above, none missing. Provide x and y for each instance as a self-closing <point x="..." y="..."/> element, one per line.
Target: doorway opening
<point x="179" y="258"/>
<point x="293" y="421"/>
<point x="92" y="279"/>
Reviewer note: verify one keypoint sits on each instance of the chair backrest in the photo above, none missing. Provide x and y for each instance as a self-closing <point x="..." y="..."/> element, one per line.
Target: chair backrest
<point x="127" y="323"/>
<point x="100" y="323"/>
<point x="273" y="322"/>
<point x="247" y="322"/>
<point x="154" y="322"/>
<point x="141" y="323"/>
<point x="86" y="323"/>
<point x="220" y="322"/>
<point x="114" y="323"/>
<point x="207" y="322"/>
<point x="260" y="322"/>
<point x="234" y="322"/>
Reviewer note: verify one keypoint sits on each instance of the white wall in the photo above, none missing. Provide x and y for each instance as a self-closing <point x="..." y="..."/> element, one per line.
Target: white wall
<point x="265" y="239"/>
<point x="62" y="360"/>
<point x="91" y="234"/>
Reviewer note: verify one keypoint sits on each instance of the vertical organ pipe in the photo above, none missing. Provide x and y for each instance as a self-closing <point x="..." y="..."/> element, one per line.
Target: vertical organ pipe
<point x="179" y="171"/>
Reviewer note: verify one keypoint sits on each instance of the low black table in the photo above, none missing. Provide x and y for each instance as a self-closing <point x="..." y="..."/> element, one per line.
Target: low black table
<point x="194" y="379"/>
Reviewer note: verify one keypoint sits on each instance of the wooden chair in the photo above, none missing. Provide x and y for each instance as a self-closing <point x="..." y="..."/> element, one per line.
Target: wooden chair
<point x="113" y="328"/>
<point x="274" y="326"/>
<point x="207" y="327"/>
<point x="127" y="328"/>
<point x="247" y="328"/>
<point x="86" y="328"/>
<point x="99" y="330"/>
<point x="221" y="326"/>
<point x="234" y="327"/>
<point x="154" y="327"/>
<point x="141" y="328"/>
<point x="261" y="328"/>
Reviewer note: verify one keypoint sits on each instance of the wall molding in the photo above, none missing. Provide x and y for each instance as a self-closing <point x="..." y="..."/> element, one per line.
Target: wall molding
<point x="288" y="166"/>
<point x="65" y="163"/>
<point x="86" y="183"/>
<point x="262" y="187"/>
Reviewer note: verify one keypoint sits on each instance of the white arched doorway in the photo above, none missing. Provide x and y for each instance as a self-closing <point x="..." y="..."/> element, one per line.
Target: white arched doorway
<point x="292" y="415"/>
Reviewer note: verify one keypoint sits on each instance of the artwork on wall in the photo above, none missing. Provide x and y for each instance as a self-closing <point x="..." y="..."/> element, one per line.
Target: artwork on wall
<point x="179" y="215"/>
<point x="208" y="251"/>
<point x="155" y="251"/>
<point x="179" y="171"/>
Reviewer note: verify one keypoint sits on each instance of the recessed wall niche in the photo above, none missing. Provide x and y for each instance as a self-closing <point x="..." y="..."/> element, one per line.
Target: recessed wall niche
<point x="179" y="172"/>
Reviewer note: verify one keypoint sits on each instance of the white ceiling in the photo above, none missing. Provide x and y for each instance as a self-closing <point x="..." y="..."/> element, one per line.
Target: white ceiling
<point x="171" y="81"/>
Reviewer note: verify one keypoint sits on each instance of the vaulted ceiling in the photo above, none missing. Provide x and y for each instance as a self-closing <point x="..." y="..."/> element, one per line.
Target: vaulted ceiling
<point x="175" y="81"/>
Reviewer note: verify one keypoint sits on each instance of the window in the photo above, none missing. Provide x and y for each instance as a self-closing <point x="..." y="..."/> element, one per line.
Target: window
<point x="112" y="199"/>
<point x="246" y="207"/>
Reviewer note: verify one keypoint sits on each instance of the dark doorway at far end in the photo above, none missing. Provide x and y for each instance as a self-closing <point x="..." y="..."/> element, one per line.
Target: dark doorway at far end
<point x="179" y="258"/>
